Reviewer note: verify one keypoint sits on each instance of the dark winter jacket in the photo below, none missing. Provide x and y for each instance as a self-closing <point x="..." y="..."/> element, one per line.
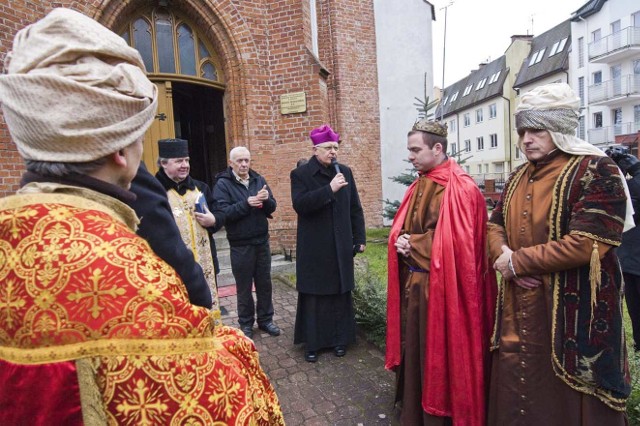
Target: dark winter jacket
<point x="245" y="225"/>
<point x="629" y="250"/>
<point x="158" y="227"/>
<point x="190" y="184"/>
<point x="329" y="226"/>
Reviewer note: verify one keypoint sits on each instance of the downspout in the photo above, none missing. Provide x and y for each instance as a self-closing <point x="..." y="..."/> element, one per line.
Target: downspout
<point x="510" y="132"/>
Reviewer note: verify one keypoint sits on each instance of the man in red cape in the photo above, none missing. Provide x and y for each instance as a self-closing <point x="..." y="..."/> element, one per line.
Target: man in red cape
<point x="441" y="293"/>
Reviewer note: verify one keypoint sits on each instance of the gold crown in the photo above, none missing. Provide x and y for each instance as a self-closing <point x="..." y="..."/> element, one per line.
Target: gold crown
<point x="429" y="126"/>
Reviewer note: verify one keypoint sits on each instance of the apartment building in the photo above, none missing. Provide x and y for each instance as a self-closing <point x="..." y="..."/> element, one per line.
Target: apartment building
<point x="478" y="110"/>
<point x="605" y="71"/>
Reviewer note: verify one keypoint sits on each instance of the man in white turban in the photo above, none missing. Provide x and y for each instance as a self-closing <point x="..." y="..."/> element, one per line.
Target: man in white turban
<point x="94" y="327"/>
<point x="559" y="349"/>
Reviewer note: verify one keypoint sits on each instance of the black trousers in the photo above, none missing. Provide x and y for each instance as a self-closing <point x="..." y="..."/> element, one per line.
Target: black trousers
<point x="251" y="264"/>
<point x="632" y="297"/>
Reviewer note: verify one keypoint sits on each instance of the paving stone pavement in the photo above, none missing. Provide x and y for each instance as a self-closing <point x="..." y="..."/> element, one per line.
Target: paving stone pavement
<point x="349" y="391"/>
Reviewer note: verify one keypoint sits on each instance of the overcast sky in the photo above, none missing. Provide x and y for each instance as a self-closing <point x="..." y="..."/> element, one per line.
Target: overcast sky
<point x="481" y="30"/>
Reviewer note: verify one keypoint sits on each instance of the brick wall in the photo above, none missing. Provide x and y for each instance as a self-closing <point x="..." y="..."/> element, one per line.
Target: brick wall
<point x="265" y="48"/>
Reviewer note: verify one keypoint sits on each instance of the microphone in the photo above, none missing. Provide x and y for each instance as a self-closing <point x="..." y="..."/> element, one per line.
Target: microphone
<point x="334" y="163"/>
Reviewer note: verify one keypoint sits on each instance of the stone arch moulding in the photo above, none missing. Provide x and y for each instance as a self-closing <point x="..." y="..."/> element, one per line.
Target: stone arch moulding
<point x="213" y="22"/>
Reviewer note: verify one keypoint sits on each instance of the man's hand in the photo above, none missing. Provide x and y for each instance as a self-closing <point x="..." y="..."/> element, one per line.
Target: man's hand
<point x="206" y="219"/>
<point x="263" y="194"/>
<point x="527" y="282"/>
<point x="502" y="265"/>
<point x="403" y="246"/>
<point x="338" y="182"/>
<point x="256" y="200"/>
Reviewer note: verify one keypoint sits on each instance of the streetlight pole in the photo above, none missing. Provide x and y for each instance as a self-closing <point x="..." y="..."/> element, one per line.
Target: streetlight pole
<point x="444" y="52"/>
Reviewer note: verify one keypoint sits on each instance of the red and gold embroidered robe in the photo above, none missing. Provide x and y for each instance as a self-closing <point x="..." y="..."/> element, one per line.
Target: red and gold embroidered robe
<point x="96" y="329"/>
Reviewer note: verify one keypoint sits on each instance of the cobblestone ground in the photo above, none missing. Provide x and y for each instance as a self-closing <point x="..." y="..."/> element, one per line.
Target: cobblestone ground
<point x="353" y="390"/>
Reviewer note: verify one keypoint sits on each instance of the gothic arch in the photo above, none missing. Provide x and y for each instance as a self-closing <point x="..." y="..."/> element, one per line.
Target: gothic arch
<point x="233" y="44"/>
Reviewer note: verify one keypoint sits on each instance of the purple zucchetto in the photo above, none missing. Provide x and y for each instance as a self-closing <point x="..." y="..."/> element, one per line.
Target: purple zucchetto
<point x="324" y="134"/>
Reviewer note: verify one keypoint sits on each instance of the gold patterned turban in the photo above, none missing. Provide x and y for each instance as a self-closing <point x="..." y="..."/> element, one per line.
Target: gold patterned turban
<point x="429" y="126"/>
<point x="73" y="91"/>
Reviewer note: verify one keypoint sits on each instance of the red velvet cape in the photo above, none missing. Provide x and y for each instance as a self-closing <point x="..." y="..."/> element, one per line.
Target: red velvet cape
<point x="462" y="292"/>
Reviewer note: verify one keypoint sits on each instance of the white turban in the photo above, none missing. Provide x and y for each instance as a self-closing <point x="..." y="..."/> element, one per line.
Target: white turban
<point x="555" y="108"/>
<point x="73" y="91"/>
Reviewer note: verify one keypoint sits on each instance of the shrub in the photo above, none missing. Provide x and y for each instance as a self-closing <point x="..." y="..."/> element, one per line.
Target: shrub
<point x="370" y="305"/>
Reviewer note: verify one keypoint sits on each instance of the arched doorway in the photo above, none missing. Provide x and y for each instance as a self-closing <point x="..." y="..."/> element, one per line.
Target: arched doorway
<point x="190" y="87"/>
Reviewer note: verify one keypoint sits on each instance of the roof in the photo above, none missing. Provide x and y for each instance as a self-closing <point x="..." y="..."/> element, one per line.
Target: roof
<point x="549" y="54"/>
<point x="588" y="9"/>
<point x="485" y="83"/>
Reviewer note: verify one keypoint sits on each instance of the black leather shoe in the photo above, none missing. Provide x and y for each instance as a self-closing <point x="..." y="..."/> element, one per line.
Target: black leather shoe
<point x="311" y="356"/>
<point x="247" y="330"/>
<point x="270" y="328"/>
<point x="340" y="350"/>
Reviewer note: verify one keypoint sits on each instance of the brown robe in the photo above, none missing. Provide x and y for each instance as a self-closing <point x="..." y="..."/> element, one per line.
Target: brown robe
<point x="524" y="389"/>
<point x="420" y="223"/>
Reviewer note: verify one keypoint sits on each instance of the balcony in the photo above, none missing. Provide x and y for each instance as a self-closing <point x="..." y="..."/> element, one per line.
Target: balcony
<point x="607" y="135"/>
<point x="615" y="92"/>
<point x="615" y="47"/>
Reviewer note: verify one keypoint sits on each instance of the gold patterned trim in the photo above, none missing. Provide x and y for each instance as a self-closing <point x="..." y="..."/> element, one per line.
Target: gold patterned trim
<point x="93" y="408"/>
<point x="596" y="238"/>
<point x="31" y="194"/>
<point x="108" y="347"/>
<point x="554" y="225"/>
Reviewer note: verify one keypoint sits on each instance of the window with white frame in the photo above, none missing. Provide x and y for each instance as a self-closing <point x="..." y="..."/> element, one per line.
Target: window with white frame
<point x="486" y="168"/>
<point x="467" y="119"/>
<point x="494" y="140"/>
<point x="479" y="116"/>
<point x="445" y="100"/>
<point x="467" y="90"/>
<point x="479" y="169"/>
<point x="467" y="169"/>
<point x="454" y="97"/>
<point x="597" y="77"/>
<point x="493" y="111"/>
<point x="581" y="90"/>
<point x="581" y="127"/>
<point x="452" y="125"/>
<point x="615" y="27"/>
<point x="636" y="117"/>
<point x="558" y="47"/>
<point x="537" y="57"/>
<point x="480" y="141"/>
<point x="494" y="77"/>
<point x="453" y="149"/>
<point x="635" y="19"/>
<point x="581" y="52"/>
<point x="597" y="120"/>
<point x="481" y="83"/>
<point x="498" y="167"/>
<point x="467" y="145"/>
<point x="596" y="35"/>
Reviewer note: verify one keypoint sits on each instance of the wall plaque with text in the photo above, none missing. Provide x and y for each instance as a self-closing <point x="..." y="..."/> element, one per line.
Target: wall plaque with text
<point x="291" y="103"/>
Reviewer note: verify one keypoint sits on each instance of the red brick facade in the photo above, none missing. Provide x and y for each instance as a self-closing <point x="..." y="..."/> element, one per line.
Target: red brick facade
<point x="265" y="49"/>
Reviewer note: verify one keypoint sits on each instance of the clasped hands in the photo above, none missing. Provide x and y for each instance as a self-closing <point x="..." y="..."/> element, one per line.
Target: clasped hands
<point x="502" y="265"/>
<point x="403" y="246"/>
<point x="259" y="198"/>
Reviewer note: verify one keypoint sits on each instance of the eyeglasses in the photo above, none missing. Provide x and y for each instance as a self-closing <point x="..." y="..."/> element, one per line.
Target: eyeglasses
<point x="330" y="148"/>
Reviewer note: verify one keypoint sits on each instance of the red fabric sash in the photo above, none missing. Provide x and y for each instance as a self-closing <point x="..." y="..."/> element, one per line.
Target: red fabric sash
<point x="462" y="291"/>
